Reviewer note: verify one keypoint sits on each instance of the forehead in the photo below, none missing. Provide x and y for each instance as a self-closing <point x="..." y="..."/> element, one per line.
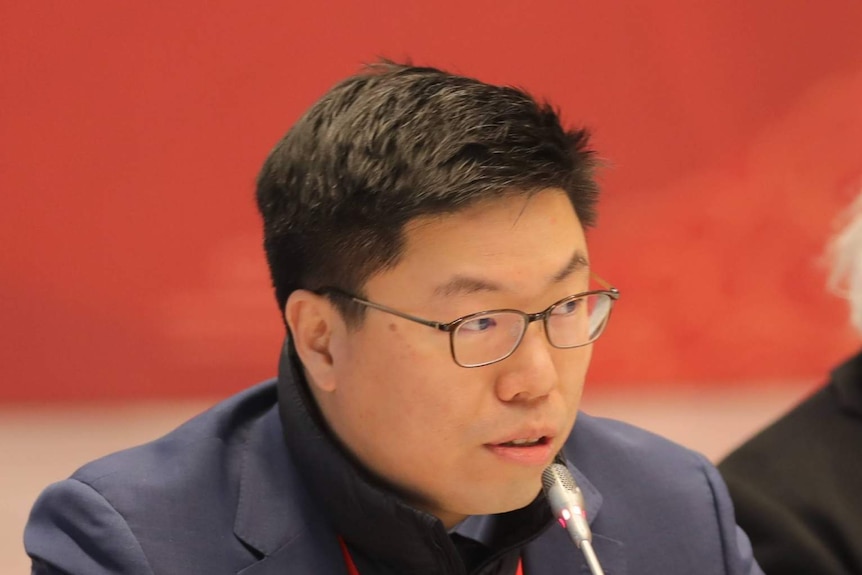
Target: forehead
<point x="514" y="243"/>
<point x="506" y="209"/>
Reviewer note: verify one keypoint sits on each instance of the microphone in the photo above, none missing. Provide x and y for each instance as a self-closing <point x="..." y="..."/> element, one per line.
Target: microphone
<point x="567" y="504"/>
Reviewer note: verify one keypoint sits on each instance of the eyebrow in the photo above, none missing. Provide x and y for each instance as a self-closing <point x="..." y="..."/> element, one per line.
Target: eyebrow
<point x="577" y="263"/>
<point x="462" y="285"/>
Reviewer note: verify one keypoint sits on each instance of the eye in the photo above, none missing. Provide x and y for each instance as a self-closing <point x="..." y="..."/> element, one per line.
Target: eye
<point x="479" y="324"/>
<point x="567" y="308"/>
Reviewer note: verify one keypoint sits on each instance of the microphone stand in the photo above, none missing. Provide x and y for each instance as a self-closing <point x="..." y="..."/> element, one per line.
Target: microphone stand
<point x="590" y="555"/>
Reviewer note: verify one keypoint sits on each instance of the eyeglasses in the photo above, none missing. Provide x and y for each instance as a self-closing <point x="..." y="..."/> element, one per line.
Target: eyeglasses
<point x="487" y="337"/>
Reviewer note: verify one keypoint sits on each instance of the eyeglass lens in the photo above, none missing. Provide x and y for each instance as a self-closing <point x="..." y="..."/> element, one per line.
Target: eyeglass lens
<point x="492" y="336"/>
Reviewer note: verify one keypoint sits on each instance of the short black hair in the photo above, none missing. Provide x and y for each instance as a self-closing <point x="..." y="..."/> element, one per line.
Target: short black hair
<point x="396" y="142"/>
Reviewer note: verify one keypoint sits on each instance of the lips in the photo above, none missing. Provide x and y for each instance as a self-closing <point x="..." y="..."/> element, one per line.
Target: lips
<point x="525" y="442"/>
<point x="533" y="447"/>
<point x="526" y="437"/>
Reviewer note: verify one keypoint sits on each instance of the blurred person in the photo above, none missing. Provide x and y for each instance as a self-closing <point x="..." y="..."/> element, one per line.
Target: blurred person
<point x="796" y="484"/>
<point x="425" y="234"/>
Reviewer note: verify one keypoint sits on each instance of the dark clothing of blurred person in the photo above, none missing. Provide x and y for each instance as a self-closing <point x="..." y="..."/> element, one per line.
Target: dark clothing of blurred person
<point x="797" y="485"/>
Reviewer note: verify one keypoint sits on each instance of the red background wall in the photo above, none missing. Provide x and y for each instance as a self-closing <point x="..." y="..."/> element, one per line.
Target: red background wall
<point x="130" y="260"/>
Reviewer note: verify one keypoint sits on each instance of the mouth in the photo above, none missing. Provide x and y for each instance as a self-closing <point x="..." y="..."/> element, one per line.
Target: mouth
<point x="526" y="442"/>
<point x="532" y="451"/>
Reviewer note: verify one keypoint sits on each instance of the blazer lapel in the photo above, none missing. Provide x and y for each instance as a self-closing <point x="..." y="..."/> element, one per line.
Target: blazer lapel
<point x="303" y="554"/>
<point x="275" y="515"/>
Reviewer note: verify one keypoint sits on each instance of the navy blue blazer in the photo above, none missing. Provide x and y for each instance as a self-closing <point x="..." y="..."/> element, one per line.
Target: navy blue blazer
<point x="221" y="495"/>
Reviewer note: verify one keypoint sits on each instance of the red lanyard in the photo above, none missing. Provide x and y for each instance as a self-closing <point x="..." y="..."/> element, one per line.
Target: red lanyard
<point x="352" y="570"/>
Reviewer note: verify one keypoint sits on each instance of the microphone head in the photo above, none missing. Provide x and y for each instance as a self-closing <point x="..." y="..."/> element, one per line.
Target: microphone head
<point x="566" y="501"/>
<point x="558" y="474"/>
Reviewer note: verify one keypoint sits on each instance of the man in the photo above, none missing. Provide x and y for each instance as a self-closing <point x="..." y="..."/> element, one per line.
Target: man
<point x="409" y="217"/>
<point x="796" y="483"/>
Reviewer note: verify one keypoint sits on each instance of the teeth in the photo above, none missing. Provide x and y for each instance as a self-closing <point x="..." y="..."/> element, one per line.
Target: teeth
<point x="524" y="441"/>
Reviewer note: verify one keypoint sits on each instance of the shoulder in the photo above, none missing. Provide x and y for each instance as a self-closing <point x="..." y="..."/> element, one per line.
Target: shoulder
<point x="632" y="466"/>
<point x="74" y="529"/>
<point x="797" y="434"/>
<point x="656" y="494"/>
<point x="800" y="472"/>
<point x="627" y="463"/>
<point x="160" y="499"/>
<point x="813" y="436"/>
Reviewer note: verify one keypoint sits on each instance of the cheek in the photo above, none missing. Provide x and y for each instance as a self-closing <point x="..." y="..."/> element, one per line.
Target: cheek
<point x="409" y="423"/>
<point x="409" y="385"/>
<point x="572" y="366"/>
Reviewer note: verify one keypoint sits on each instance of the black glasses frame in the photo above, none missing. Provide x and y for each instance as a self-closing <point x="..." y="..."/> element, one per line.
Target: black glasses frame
<point x="451" y="327"/>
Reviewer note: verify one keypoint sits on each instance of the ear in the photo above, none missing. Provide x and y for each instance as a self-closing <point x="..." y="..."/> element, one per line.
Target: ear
<point x="311" y="319"/>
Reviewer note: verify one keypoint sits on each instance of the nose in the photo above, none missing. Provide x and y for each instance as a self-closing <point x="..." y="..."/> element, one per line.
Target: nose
<point x="529" y="373"/>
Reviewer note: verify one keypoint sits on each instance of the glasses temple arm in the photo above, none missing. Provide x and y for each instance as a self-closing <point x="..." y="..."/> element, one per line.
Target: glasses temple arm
<point x="401" y="314"/>
<point x="605" y="284"/>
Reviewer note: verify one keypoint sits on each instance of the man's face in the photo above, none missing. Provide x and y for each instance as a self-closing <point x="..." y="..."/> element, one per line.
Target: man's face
<point x="440" y="433"/>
